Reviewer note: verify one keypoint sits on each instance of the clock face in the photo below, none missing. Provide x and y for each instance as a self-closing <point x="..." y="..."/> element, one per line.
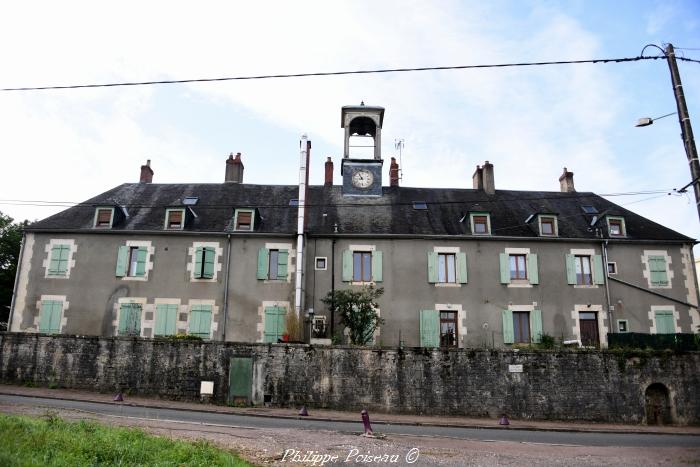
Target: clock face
<point x="362" y="179"/>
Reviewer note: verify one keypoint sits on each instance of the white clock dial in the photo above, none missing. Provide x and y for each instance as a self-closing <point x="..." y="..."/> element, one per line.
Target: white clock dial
<point x="362" y="179"/>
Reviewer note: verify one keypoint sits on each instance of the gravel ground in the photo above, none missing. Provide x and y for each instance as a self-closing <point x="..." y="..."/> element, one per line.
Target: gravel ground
<point x="268" y="447"/>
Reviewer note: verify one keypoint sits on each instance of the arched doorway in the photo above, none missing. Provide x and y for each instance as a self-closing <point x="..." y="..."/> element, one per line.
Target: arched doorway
<point x="657" y="404"/>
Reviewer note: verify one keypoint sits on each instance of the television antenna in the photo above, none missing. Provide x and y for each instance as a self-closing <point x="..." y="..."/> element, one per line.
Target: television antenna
<point x="398" y="145"/>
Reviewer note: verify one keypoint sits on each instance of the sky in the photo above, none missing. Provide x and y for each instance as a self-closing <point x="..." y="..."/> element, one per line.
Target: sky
<point x="70" y="145"/>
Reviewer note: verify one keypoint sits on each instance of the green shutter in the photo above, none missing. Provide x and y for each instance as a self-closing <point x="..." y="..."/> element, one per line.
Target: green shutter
<point x="532" y="272"/>
<point x="208" y="257"/>
<point x="504" y="260"/>
<point x="281" y="321"/>
<point x="271" y="324"/>
<point x="59" y="260"/>
<point x="571" y="269"/>
<point x="536" y="325"/>
<point x="461" y="267"/>
<point x="657" y="271"/>
<point x="665" y="323"/>
<point x="130" y="319"/>
<point x="166" y="318"/>
<point x="429" y="328"/>
<point x="50" y="321"/>
<point x="347" y="266"/>
<point x="263" y="255"/>
<point x="122" y="261"/>
<point x="432" y="267"/>
<point x="508" y="335"/>
<point x="598" y="271"/>
<point x="200" y="321"/>
<point x="377" y="266"/>
<point x="198" y="260"/>
<point x="141" y="258"/>
<point x="282" y="261"/>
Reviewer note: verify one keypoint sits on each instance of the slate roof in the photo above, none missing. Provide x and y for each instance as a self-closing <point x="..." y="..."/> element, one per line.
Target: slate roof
<point x="393" y="213"/>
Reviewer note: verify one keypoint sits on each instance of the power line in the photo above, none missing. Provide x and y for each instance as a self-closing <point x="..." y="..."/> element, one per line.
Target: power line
<point x="336" y="73"/>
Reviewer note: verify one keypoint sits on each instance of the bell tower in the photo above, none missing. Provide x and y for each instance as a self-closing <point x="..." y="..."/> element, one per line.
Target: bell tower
<point x="362" y="157"/>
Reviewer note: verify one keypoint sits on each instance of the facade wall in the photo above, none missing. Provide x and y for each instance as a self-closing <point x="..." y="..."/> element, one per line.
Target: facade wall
<point x="566" y="385"/>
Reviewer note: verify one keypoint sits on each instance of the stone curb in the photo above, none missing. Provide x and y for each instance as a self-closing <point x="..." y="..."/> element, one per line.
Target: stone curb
<point x="378" y="421"/>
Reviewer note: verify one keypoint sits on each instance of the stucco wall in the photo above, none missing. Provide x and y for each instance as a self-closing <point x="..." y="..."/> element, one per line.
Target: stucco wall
<point x="596" y="386"/>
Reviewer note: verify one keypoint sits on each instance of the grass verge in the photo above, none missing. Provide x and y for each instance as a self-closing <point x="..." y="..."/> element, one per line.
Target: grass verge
<point x="52" y="441"/>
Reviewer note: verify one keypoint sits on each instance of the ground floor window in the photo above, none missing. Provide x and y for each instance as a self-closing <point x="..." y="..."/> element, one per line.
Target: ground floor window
<point x="130" y="319"/>
<point x="448" y="329"/>
<point x="521" y="327"/>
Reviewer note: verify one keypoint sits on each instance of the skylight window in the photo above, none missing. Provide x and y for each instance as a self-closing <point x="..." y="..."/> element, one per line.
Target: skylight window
<point x="190" y="200"/>
<point x="294" y="202"/>
<point x="420" y="205"/>
<point x="588" y="209"/>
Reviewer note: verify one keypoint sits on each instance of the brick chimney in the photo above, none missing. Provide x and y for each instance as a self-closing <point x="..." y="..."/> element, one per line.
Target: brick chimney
<point x="234" y="169"/>
<point x="566" y="182"/>
<point x="146" y="173"/>
<point x="478" y="179"/>
<point x="393" y="173"/>
<point x="487" y="177"/>
<point x="329" y="172"/>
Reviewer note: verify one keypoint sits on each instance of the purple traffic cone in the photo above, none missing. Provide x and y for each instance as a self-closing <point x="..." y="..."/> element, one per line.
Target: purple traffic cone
<point x="365" y="421"/>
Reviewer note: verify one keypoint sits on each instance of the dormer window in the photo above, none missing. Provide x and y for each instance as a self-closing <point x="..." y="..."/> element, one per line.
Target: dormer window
<point x="104" y="218"/>
<point x="616" y="227"/>
<point x="480" y="223"/>
<point x="548" y="226"/>
<point x="174" y="219"/>
<point x="244" y="219"/>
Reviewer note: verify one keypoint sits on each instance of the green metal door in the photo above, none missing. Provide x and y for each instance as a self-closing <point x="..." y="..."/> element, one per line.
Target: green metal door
<point x="240" y="374"/>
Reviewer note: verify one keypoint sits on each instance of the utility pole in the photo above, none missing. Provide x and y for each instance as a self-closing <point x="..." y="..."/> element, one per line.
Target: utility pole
<point x="684" y="120"/>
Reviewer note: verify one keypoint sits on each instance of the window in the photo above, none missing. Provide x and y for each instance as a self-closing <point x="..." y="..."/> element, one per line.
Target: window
<point x="616" y="226"/>
<point x="174" y="219"/>
<point x="244" y="219"/>
<point x="548" y="226"/>
<point x="200" y="321"/>
<point x="420" y="205"/>
<point x="321" y="263"/>
<point x="588" y="325"/>
<point x="272" y="264"/>
<point x="518" y="267"/>
<point x="190" y="200"/>
<point x="204" y="262"/>
<point x="622" y="325"/>
<point x="584" y="268"/>
<point x="448" y="329"/>
<point x="612" y="268"/>
<point x="480" y="223"/>
<point x="58" y="264"/>
<point x="166" y="319"/>
<point x="362" y="264"/>
<point x="521" y="327"/>
<point x="657" y="271"/>
<point x="665" y="322"/>
<point x="130" y="319"/>
<point x="588" y="209"/>
<point x="584" y="276"/>
<point x="294" y="202"/>
<point x="50" y="320"/>
<point x="275" y="323"/>
<point x="131" y="261"/>
<point x="447" y="267"/>
<point x="104" y="217"/>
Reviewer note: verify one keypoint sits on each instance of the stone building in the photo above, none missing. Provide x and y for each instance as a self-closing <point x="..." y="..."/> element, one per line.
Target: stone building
<point x="462" y="267"/>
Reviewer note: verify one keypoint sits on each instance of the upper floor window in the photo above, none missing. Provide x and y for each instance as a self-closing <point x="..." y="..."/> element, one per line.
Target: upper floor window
<point x="548" y="226"/>
<point x="272" y="263"/>
<point x="244" y="219"/>
<point x="584" y="274"/>
<point x="616" y="226"/>
<point x="204" y="262"/>
<point x="174" y="219"/>
<point x="362" y="263"/>
<point x="584" y="268"/>
<point x="60" y="260"/>
<point x="480" y="223"/>
<point x="104" y="217"/>
<point x="361" y="266"/>
<point x="131" y="261"/>
<point x="657" y="271"/>
<point x="519" y="268"/>
<point x="446" y="267"/>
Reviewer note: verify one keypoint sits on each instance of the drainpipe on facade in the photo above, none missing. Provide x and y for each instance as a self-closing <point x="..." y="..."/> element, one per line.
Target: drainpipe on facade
<point x="332" y="289"/>
<point x="298" y="305"/>
<point x="604" y="245"/>
<point x="14" y="288"/>
<point x="226" y="276"/>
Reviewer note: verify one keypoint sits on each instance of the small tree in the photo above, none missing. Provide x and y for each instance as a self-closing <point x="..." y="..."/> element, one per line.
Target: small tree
<point x="357" y="311"/>
<point x="293" y="326"/>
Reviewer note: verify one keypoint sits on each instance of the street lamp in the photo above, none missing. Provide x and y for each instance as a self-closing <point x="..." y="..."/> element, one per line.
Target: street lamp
<point x="646" y="121"/>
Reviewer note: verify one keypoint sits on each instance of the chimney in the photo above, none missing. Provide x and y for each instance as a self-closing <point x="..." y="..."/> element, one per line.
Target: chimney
<point x="393" y="173"/>
<point x="487" y="178"/>
<point x="234" y="169"/>
<point x="566" y="182"/>
<point x="146" y="173"/>
<point x="478" y="179"/>
<point x="329" y="172"/>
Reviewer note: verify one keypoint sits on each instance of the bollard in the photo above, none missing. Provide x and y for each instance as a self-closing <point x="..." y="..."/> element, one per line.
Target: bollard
<point x="118" y="397"/>
<point x="365" y="421"/>
<point x="303" y="412"/>
<point x="504" y="420"/>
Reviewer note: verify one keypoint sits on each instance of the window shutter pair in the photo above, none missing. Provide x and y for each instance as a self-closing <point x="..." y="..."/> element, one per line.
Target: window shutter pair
<point x="264" y="264"/>
<point x="533" y="274"/>
<point x="166" y="319"/>
<point x="665" y="323"/>
<point x="204" y="262"/>
<point x="58" y="265"/>
<point x="657" y="271"/>
<point x="377" y="260"/>
<point x="598" y="271"/>
<point x="535" y="326"/>
<point x="275" y="323"/>
<point x="50" y="322"/>
<point x="430" y="328"/>
<point x="123" y="261"/>
<point x="130" y="319"/>
<point x="200" y="321"/>
<point x="460" y="267"/>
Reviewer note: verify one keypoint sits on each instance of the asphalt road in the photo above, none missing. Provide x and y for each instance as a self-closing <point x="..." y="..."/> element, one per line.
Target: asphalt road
<point x="475" y="434"/>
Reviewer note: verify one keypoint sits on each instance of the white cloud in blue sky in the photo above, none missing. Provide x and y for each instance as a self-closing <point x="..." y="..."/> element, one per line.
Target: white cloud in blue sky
<point x="530" y="122"/>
